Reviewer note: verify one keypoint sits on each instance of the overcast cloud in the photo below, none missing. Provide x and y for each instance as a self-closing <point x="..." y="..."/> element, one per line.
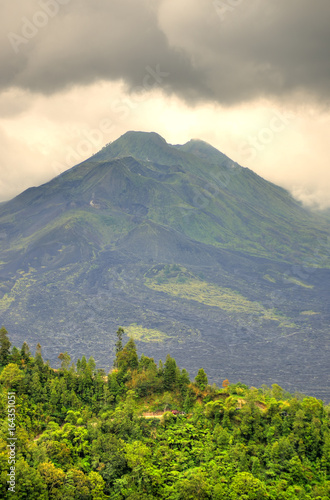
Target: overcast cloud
<point x="64" y="63"/>
<point x="211" y="49"/>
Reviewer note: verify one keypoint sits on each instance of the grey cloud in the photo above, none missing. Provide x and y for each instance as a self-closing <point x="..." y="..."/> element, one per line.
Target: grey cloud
<point x="89" y="41"/>
<point x="271" y="48"/>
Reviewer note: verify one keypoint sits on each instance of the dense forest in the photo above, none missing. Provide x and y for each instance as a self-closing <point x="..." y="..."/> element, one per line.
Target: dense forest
<point x="145" y="431"/>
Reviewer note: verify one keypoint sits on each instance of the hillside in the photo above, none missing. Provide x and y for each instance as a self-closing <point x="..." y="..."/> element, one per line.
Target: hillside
<point x="147" y="432"/>
<point x="183" y="247"/>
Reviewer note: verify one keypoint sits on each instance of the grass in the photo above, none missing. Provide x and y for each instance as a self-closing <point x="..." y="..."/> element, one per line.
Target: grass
<point x="186" y="286"/>
<point x="269" y="278"/>
<point x="22" y="284"/>
<point x="143" y="334"/>
<point x="298" y="282"/>
<point x="5" y="302"/>
<point x="96" y="227"/>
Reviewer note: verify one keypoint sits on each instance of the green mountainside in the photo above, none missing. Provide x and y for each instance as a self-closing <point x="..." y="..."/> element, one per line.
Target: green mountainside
<point x="183" y="247"/>
<point x="147" y="432"/>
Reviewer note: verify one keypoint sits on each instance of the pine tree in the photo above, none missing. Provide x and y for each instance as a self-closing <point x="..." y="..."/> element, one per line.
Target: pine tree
<point x="119" y="344"/>
<point x="38" y="357"/>
<point x="4" y="346"/>
<point x="201" y="379"/>
<point x="113" y="385"/>
<point x="170" y="373"/>
<point x="91" y="365"/>
<point x="16" y="356"/>
<point x="133" y="360"/>
<point x="25" y="352"/>
<point x="65" y="360"/>
<point x="38" y="349"/>
<point x="127" y="358"/>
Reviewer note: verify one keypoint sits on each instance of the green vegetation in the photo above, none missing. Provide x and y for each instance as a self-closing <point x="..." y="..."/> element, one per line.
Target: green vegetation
<point x="82" y="246"/>
<point x="269" y="278"/>
<point x="175" y="281"/>
<point x="145" y="334"/>
<point x="203" y="196"/>
<point x="297" y="282"/>
<point x="147" y="432"/>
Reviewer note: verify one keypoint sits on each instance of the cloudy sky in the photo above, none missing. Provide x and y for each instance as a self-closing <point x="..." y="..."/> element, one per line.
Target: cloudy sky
<point x="251" y="77"/>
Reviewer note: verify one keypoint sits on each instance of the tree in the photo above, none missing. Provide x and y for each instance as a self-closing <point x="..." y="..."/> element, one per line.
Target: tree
<point x="277" y="392"/>
<point x="183" y="381"/>
<point x="4" y="346"/>
<point x="245" y="485"/>
<point x="97" y="485"/>
<point x="170" y="372"/>
<point x="78" y="482"/>
<point x="137" y="454"/>
<point x="201" y="379"/>
<point x="326" y="452"/>
<point x="189" y="400"/>
<point x="16" y="356"/>
<point x="146" y="363"/>
<point x="52" y="476"/>
<point x="36" y="388"/>
<point x="29" y="483"/>
<point x="114" y="387"/>
<point x="38" y="357"/>
<point x="225" y="383"/>
<point x="11" y="375"/>
<point x="119" y="344"/>
<point x="127" y="358"/>
<point x="65" y="360"/>
<point x="91" y="365"/>
<point x="25" y="352"/>
<point x="194" y="485"/>
<point x="38" y="349"/>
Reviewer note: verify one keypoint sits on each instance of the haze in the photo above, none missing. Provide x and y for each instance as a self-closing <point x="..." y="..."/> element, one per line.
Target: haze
<point x="249" y="77"/>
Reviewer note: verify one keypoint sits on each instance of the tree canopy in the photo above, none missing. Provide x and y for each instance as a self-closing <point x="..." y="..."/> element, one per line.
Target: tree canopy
<point x="145" y="431"/>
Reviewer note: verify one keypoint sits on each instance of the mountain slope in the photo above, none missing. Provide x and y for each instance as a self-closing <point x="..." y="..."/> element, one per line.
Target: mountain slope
<point x="221" y="204"/>
<point x="175" y="239"/>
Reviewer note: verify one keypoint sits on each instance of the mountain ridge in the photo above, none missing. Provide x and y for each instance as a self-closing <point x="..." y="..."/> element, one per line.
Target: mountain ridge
<point x="197" y="201"/>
